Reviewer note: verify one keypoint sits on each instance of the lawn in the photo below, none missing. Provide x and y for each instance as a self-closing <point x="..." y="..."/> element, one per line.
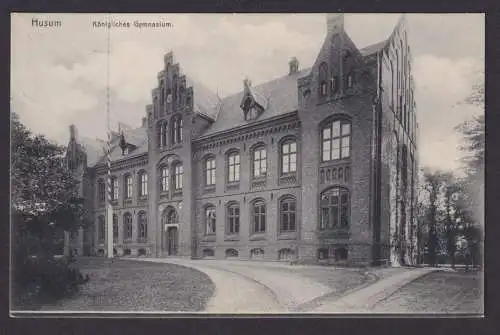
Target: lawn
<point x="438" y="292"/>
<point x="137" y="286"/>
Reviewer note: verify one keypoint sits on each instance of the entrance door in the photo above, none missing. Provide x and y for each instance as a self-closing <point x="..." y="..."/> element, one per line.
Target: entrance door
<point x="172" y="236"/>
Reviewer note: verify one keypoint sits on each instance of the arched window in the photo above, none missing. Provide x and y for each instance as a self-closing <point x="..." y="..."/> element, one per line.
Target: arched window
<point x="178" y="174"/>
<point x="285" y="254"/>
<point x="257" y="253"/>
<point x="115" y="227"/>
<point x="323" y="77"/>
<point x="101" y="228"/>
<point x="164" y="178"/>
<point x="143" y="184"/>
<point x="289" y="157"/>
<point x="101" y="190"/>
<point x="336" y="139"/>
<point x="128" y="186"/>
<point x="142" y="231"/>
<point x="127" y="226"/>
<point x="177" y="130"/>
<point x="259" y="162"/>
<point x="233" y="166"/>
<point x="259" y="216"/>
<point x="209" y="168"/>
<point x="233" y="216"/>
<point x="334" y="204"/>
<point x="208" y="253"/>
<point x="162" y="92"/>
<point x="288" y="215"/>
<point x="334" y="84"/>
<point x="231" y="253"/>
<point x="210" y="220"/>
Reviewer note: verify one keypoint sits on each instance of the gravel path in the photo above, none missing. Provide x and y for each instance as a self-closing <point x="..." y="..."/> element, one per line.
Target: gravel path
<point x="126" y="285"/>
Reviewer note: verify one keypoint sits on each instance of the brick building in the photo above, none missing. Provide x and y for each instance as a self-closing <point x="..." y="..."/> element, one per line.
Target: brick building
<point x="319" y="165"/>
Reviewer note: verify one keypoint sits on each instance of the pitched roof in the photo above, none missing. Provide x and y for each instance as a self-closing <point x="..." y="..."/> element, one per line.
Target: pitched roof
<point x="95" y="148"/>
<point x="371" y="49"/>
<point x="205" y="101"/>
<point x="281" y="96"/>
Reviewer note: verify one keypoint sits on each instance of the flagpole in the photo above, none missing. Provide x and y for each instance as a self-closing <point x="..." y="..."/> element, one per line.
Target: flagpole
<point x="109" y="206"/>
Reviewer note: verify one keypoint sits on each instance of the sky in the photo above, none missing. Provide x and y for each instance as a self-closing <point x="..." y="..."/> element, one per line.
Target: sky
<point x="58" y="74"/>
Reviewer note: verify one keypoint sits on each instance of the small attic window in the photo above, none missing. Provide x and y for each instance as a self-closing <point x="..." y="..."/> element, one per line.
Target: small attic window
<point x="251" y="114"/>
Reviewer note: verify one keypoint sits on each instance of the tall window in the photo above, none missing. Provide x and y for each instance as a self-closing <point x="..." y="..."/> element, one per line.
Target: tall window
<point x="178" y="171"/>
<point x="164" y="178"/>
<point x="335" y="139"/>
<point x="143" y="226"/>
<point x="128" y="186"/>
<point x="233" y="167"/>
<point x="334" y="205"/>
<point x="114" y="188"/>
<point x="172" y="217"/>
<point x="210" y="171"/>
<point x="177" y="130"/>
<point x="163" y="132"/>
<point x="115" y="227"/>
<point x="349" y="81"/>
<point x="101" y="228"/>
<point x="288" y="215"/>
<point x="289" y="157"/>
<point x="323" y="74"/>
<point x="233" y="216"/>
<point x="143" y="184"/>
<point x="101" y="191"/>
<point x="127" y="226"/>
<point x="259" y="162"/>
<point x="259" y="216"/>
<point x="210" y="220"/>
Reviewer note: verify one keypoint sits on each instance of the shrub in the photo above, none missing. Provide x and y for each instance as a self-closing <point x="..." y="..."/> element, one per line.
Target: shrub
<point x="46" y="279"/>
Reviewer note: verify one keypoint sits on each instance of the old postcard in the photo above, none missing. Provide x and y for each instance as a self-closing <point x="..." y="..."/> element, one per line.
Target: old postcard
<point x="247" y="164"/>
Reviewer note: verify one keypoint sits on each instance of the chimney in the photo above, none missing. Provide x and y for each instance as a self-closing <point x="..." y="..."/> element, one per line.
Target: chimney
<point x="334" y="22"/>
<point x="144" y="122"/>
<point x="293" y="65"/>
<point x="73" y="135"/>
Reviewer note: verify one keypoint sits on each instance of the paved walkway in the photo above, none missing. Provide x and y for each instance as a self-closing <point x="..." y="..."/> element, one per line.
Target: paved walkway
<point x="261" y="287"/>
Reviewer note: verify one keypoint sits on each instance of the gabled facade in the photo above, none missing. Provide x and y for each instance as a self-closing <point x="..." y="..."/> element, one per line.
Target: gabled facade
<point x="319" y="165"/>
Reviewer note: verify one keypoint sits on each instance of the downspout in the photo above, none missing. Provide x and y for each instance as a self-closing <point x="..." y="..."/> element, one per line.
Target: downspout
<point x="376" y="169"/>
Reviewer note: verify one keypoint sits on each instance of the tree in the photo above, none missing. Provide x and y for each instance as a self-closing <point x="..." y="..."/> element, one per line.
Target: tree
<point x="44" y="194"/>
<point x="433" y="184"/>
<point x="450" y="225"/>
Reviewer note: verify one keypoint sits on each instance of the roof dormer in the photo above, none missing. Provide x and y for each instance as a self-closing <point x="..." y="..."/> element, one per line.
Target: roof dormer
<point x="252" y="103"/>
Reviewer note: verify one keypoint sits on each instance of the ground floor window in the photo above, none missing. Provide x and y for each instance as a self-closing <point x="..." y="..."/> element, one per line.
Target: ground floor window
<point x="231" y="253"/>
<point x="257" y="253"/>
<point x="208" y="253"/>
<point x="323" y="253"/>
<point x="285" y="255"/>
<point x="341" y="254"/>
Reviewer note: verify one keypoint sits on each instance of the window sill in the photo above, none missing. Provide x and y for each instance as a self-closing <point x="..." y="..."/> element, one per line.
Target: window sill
<point x="127" y="201"/>
<point x="142" y="240"/>
<point x="209" y="238"/>
<point x="209" y="189"/>
<point x="258" y="237"/>
<point x="231" y="237"/>
<point x="233" y="186"/>
<point x="259" y="182"/>
<point x="341" y="233"/>
<point x="178" y="193"/>
<point x="289" y="178"/>
<point x="163" y="194"/>
<point x="289" y="235"/>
